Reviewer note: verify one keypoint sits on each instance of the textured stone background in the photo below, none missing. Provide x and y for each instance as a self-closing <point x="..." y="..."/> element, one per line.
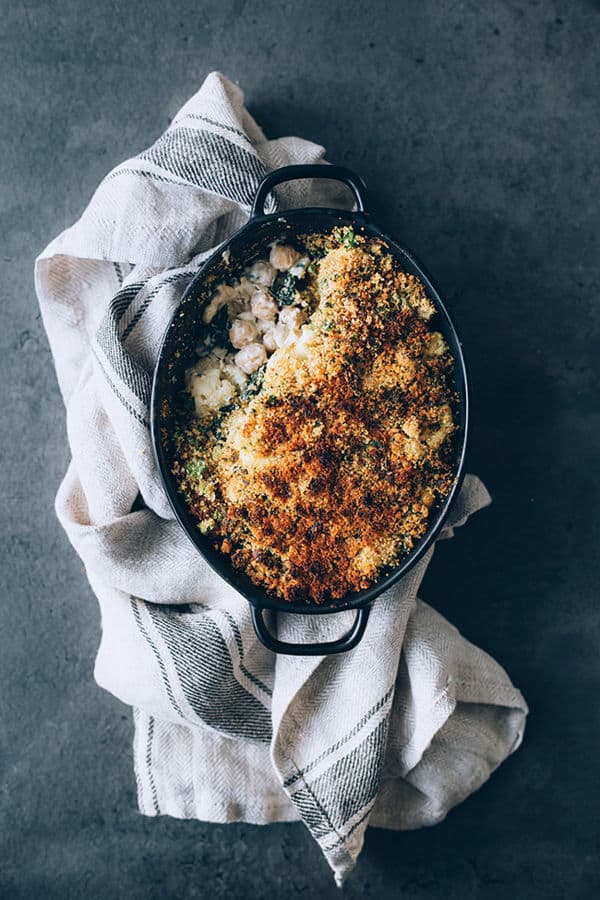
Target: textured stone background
<point x="476" y="125"/>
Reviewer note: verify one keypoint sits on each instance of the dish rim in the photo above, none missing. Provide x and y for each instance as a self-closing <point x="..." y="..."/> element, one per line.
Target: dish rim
<point x="259" y="598"/>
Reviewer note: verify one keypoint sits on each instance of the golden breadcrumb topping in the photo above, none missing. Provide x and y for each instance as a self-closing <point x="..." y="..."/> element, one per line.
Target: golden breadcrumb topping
<point x="323" y="470"/>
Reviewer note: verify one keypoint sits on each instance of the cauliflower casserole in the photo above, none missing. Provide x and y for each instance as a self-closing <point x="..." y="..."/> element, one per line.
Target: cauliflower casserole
<point x="318" y="431"/>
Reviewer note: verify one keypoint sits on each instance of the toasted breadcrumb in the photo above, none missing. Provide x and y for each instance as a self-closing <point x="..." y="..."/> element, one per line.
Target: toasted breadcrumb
<point x="326" y="475"/>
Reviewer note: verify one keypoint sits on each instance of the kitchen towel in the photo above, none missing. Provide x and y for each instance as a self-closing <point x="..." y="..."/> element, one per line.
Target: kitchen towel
<point x="393" y="733"/>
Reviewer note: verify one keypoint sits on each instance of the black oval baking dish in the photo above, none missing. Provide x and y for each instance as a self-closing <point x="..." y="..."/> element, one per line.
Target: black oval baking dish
<point x="177" y="351"/>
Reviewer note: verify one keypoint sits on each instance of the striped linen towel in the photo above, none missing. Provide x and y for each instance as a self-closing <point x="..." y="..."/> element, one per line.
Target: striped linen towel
<point x="392" y="734"/>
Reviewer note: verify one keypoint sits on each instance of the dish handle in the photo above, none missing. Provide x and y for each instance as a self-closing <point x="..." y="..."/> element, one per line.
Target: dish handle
<point x="293" y="173"/>
<point x="346" y="642"/>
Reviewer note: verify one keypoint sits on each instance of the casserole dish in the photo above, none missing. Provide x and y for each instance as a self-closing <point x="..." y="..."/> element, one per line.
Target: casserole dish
<point x="177" y="350"/>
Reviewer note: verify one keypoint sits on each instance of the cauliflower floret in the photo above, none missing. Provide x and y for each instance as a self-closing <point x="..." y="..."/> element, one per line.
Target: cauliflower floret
<point x="250" y="358"/>
<point x="264" y="325"/>
<point x="298" y="270"/>
<point x="436" y="345"/>
<point x="427" y="497"/>
<point x="413" y="448"/>
<point x="422" y="305"/>
<point x="210" y="391"/>
<point x="445" y="424"/>
<point x="233" y="374"/>
<point x="431" y="433"/>
<point x="242" y="332"/>
<point x="411" y="428"/>
<point x="263" y="305"/>
<point x="262" y="273"/>
<point x="293" y="317"/>
<point x="287" y="329"/>
<point x="283" y="257"/>
<point x="304" y="341"/>
<point x="212" y="361"/>
<point x="366" y="560"/>
<point x="214" y="381"/>
<point x="280" y="334"/>
<point x="234" y="297"/>
<point x="269" y="341"/>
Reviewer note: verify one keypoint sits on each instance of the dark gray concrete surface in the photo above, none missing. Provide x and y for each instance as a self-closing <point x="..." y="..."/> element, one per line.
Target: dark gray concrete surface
<point x="476" y="125"/>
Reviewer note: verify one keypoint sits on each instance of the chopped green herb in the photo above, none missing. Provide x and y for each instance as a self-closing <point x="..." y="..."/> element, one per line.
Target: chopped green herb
<point x="345" y="236"/>
<point x="254" y="383"/>
<point x="195" y="468"/>
<point x="349" y="238"/>
<point x="284" y="289"/>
